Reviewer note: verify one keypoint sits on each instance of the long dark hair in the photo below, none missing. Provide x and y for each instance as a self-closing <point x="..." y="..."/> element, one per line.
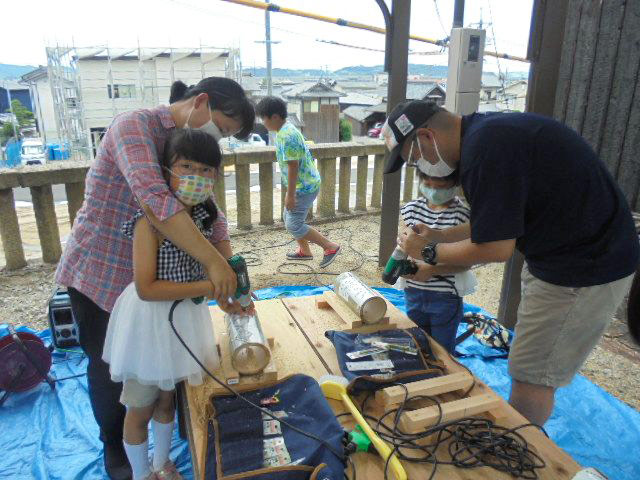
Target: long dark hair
<point x="197" y="146"/>
<point x="225" y="95"/>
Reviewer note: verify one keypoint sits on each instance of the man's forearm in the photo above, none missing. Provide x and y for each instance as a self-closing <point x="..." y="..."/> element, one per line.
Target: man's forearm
<point x="182" y="232"/>
<point x="467" y="253"/>
<point x="455" y="234"/>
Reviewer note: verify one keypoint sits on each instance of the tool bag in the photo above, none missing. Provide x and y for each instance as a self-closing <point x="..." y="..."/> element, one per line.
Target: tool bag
<point x="245" y="443"/>
<point x="409" y="358"/>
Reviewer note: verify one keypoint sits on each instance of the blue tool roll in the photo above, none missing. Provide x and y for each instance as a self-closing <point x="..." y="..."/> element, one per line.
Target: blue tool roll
<point x="243" y="443"/>
<point x="406" y="367"/>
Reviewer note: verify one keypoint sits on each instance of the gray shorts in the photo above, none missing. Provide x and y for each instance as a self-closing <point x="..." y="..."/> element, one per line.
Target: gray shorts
<point x="137" y="395"/>
<point x="558" y="327"/>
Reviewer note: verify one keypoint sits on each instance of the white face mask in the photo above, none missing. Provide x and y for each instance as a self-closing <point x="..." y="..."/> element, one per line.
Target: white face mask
<point x="438" y="196"/>
<point x="209" y="127"/>
<point x="440" y="169"/>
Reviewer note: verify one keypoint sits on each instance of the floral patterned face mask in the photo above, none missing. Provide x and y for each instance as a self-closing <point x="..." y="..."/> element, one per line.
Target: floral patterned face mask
<point x="193" y="189"/>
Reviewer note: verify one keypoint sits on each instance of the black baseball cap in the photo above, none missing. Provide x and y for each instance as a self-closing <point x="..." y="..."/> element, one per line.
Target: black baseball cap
<point x="405" y="119"/>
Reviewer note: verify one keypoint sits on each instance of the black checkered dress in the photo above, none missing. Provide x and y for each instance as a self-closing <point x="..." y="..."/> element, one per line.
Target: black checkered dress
<point x="174" y="264"/>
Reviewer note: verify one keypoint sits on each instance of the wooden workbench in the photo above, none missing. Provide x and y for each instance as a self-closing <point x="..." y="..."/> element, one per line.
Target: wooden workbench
<point x="298" y="327"/>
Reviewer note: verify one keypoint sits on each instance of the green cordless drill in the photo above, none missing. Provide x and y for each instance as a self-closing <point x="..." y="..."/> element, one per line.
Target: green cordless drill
<point x="398" y="265"/>
<point x="243" y="292"/>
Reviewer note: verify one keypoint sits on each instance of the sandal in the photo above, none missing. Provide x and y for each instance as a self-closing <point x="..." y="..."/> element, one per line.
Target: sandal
<point x="298" y="255"/>
<point x="329" y="256"/>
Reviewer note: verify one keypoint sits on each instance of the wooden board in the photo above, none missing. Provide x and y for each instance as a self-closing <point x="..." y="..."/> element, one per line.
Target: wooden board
<point x="560" y="465"/>
<point x="291" y="353"/>
<point x="301" y="347"/>
<point x="392" y="396"/>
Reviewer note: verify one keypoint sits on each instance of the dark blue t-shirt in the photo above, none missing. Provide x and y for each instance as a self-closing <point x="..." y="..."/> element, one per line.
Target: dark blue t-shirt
<point x="532" y="178"/>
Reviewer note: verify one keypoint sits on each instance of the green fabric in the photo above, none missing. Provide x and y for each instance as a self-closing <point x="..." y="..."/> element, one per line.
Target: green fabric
<point x="290" y="147"/>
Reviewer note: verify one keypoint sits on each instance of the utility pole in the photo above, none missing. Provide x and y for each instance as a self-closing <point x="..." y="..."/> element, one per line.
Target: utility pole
<point x="268" y="42"/>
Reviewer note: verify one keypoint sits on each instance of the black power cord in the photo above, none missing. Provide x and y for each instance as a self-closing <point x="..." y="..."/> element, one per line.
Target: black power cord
<point x="299" y="268"/>
<point x="340" y="457"/>
<point x="472" y="442"/>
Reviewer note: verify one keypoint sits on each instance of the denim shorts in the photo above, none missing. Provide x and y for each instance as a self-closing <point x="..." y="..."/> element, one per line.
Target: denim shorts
<point x="437" y="313"/>
<point x="294" y="220"/>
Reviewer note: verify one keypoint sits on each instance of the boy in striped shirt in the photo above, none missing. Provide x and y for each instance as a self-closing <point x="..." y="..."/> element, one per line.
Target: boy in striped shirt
<point x="434" y="293"/>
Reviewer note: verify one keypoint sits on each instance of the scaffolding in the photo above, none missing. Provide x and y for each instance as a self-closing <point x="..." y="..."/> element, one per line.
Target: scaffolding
<point x="91" y="85"/>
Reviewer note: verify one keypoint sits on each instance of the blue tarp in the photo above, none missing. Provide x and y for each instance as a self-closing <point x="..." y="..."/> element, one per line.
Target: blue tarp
<point x="48" y="434"/>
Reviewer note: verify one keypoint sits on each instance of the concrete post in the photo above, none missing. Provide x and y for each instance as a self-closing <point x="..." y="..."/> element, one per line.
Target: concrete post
<point x="344" y="180"/>
<point x="376" y="189"/>
<point x="265" y="173"/>
<point x="10" y="231"/>
<point x="219" y="192"/>
<point x="46" y="223"/>
<point x="75" y="197"/>
<point x="327" y="197"/>
<point x="361" y="182"/>
<point x="243" y="196"/>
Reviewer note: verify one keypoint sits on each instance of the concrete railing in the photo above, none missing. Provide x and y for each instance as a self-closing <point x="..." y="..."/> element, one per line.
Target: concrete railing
<point x="40" y="179"/>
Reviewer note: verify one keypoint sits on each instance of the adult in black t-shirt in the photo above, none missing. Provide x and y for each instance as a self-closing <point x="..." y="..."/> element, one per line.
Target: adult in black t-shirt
<point x="535" y="185"/>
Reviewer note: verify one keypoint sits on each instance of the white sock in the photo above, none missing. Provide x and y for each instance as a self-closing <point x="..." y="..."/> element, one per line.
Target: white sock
<point x="161" y="443"/>
<point x="138" y="456"/>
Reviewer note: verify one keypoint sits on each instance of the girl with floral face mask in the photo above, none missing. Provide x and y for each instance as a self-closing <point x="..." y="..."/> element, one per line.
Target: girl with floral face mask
<point x="141" y="349"/>
<point x="434" y="294"/>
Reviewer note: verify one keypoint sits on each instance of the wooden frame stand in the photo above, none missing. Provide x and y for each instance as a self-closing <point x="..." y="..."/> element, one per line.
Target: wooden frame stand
<point x="329" y="300"/>
<point x="231" y="376"/>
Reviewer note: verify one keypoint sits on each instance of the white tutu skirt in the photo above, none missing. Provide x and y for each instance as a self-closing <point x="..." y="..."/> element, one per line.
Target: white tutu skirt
<point x="140" y="344"/>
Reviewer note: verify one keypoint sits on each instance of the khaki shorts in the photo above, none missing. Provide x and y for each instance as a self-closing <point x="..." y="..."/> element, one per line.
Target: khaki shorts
<point x="558" y="327"/>
<point x="137" y="395"/>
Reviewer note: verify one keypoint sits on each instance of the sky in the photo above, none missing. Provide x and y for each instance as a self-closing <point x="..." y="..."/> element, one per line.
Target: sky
<point x="190" y="23"/>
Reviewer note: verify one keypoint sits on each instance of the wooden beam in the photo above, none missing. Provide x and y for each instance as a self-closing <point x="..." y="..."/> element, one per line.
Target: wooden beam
<point x="417" y="420"/>
<point x="431" y="386"/>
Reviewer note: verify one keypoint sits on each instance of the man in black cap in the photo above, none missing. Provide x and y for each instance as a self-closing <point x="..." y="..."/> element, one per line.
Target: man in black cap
<point x="535" y="185"/>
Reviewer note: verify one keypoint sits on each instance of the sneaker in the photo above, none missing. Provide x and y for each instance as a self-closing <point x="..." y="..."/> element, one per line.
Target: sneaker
<point x="116" y="462"/>
<point x="298" y="255"/>
<point x="168" y="472"/>
<point x="329" y="256"/>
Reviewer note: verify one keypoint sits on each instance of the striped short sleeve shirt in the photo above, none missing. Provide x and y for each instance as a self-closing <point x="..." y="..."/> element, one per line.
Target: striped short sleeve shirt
<point x="418" y="211"/>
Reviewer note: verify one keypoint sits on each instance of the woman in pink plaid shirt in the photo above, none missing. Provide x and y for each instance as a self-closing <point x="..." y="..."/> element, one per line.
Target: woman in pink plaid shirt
<point x="126" y="176"/>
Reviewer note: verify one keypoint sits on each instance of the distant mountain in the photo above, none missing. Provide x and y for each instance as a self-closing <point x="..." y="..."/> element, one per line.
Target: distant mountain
<point x="432" y="71"/>
<point x="13" y="72"/>
<point x="285" y="72"/>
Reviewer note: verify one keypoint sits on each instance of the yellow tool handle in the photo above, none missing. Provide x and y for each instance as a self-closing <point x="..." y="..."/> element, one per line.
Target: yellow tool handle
<point x="381" y="446"/>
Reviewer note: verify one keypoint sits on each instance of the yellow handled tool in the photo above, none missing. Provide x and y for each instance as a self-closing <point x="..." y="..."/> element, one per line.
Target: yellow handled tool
<point x="335" y="388"/>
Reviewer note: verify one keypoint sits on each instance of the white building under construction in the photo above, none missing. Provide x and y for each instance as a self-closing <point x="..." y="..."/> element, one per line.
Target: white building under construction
<point x="82" y="89"/>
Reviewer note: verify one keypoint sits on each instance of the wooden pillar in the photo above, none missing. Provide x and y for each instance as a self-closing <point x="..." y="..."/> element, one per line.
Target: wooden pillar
<point x="361" y="182"/>
<point x="396" y="51"/>
<point x="10" y="231"/>
<point x="409" y="180"/>
<point x="327" y="196"/>
<point x="46" y="222"/>
<point x="75" y="197"/>
<point x="243" y="196"/>
<point x="266" y="193"/>
<point x="219" y="192"/>
<point x="547" y="33"/>
<point x="376" y="188"/>
<point x="344" y="192"/>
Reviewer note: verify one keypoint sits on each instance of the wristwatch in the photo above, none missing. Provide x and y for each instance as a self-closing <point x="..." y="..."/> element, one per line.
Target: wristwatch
<point x="429" y="253"/>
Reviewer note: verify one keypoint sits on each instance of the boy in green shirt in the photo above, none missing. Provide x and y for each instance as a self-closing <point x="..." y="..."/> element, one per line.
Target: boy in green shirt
<point x="301" y="179"/>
